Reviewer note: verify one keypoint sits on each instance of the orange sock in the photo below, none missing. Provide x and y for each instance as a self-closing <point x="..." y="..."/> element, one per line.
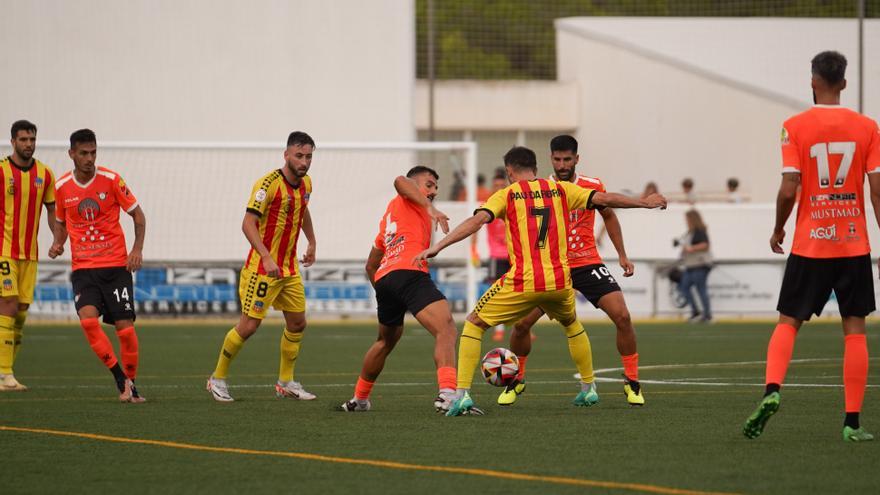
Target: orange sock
<point x="855" y="371"/>
<point x="98" y="340"/>
<point x="631" y="366"/>
<point x="362" y="389"/>
<point x="446" y="377"/>
<point x="522" y="367"/>
<point x="128" y="350"/>
<point x="779" y="353"/>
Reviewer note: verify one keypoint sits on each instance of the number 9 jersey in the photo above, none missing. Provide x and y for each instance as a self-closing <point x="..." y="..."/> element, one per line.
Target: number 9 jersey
<point x="832" y="148"/>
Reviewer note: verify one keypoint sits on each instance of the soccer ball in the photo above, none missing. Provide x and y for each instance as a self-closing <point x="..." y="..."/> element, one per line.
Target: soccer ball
<point x="500" y="367"/>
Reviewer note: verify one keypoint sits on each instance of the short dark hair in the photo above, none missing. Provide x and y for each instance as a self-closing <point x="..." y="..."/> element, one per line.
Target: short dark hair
<point x="520" y="157"/>
<point x="22" y="125"/>
<point x="82" y="136"/>
<point x="421" y="169"/>
<point x="299" y="138"/>
<point x="732" y="183"/>
<point x="687" y="182"/>
<point x="830" y="66"/>
<point x="564" y="142"/>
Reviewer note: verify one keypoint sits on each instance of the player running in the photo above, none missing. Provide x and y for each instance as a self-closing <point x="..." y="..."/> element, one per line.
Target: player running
<point x="589" y="276"/>
<point x="29" y="184"/>
<point x="827" y="151"/>
<point x="536" y="213"/>
<point x="89" y="199"/>
<point x="405" y="231"/>
<point x="277" y="210"/>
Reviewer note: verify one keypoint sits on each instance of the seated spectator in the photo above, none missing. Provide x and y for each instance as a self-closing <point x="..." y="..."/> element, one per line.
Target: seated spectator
<point x="687" y="189"/>
<point x="733" y="195"/>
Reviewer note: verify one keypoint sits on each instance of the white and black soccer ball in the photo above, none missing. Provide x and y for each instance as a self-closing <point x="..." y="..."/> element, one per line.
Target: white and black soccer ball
<point x="500" y="367"/>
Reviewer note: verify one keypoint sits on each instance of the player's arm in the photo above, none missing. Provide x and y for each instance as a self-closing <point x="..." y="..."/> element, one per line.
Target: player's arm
<point x="615" y="200"/>
<point x="251" y="228"/>
<point x="874" y="184"/>
<point x="407" y="188"/>
<point x="136" y="256"/>
<point x="615" y="233"/>
<point x="53" y="224"/>
<point x="462" y="231"/>
<point x="309" y="256"/>
<point x="785" y="200"/>
<point x="373" y="261"/>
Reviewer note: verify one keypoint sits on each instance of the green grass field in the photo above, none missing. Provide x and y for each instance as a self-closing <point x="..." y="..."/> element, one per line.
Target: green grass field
<point x="687" y="439"/>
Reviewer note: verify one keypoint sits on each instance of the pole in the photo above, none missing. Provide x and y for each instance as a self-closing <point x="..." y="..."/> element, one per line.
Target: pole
<point x="861" y="7"/>
<point x="431" y="74"/>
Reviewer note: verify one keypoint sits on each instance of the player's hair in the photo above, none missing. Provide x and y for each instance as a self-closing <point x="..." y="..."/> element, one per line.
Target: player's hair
<point x="22" y="125"/>
<point x="522" y="158"/>
<point x="421" y="169"/>
<point x="564" y="142"/>
<point x="732" y="183"/>
<point x="299" y="138"/>
<point x="830" y="66"/>
<point x="82" y="136"/>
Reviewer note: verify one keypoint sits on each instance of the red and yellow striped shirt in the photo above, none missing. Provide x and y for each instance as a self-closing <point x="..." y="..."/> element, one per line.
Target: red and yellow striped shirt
<point x="26" y="190"/>
<point x="536" y="214"/>
<point x="280" y="207"/>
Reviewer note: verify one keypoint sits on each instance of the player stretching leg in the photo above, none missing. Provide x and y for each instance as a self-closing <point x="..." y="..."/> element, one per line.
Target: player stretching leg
<point x="405" y="230"/>
<point x="29" y="185"/>
<point x="827" y="151"/>
<point x="276" y="211"/>
<point x="535" y="212"/>
<point x="589" y="276"/>
<point x="89" y="199"/>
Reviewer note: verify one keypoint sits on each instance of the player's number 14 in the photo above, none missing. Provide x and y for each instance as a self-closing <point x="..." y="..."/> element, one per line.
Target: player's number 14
<point x="820" y="152"/>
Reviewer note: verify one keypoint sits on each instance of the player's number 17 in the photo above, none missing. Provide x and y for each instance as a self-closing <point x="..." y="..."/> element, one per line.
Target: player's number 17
<point x="820" y="152"/>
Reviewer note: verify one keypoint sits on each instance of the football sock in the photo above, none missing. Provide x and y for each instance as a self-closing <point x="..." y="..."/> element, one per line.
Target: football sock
<point x="631" y="366"/>
<point x="522" y="367"/>
<point x="446" y="378"/>
<point x="231" y="345"/>
<point x="580" y="350"/>
<point x="7" y="344"/>
<point x="290" y="343"/>
<point x="770" y="388"/>
<point x="779" y="353"/>
<point x="118" y="375"/>
<point x="128" y="351"/>
<point x="851" y="420"/>
<point x="468" y="354"/>
<point x="362" y="389"/>
<point x="855" y="371"/>
<point x="99" y="342"/>
<point x="18" y="328"/>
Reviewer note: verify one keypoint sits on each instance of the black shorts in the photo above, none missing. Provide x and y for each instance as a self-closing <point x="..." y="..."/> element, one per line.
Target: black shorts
<point x="593" y="281"/>
<point x="497" y="268"/>
<point x="808" y="283"/>
<point x="404" y="290"/>
<point x="111" y="290"/>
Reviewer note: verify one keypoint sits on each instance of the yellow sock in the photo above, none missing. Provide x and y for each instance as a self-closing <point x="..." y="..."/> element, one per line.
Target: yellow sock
<point x="468" y="354"/>
<point x="580" y="350"/>
<point x="20" y="317"/>
<point x="231" y="345"/>
<point x="7" y="344"/>
<point x="290" y="343"/>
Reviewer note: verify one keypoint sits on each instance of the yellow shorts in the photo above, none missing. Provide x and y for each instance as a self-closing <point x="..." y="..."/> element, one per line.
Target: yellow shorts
<point x="18" y="279"/>
<point x="258" y="292"/>
<point x="501" y="305"/>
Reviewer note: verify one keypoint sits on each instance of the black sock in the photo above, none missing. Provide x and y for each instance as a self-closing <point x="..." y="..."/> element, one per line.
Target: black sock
<point x="851" y="420"/>
<point x="119" y="375"/>
<point x="771" y="387"/>
<point x="633" y="384"/>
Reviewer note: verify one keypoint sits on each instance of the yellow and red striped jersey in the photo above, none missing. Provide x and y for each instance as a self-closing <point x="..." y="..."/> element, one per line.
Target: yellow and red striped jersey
<point x="536" y="214"/>
<point x="26" y="190"/>
<point x="280" y="207"/>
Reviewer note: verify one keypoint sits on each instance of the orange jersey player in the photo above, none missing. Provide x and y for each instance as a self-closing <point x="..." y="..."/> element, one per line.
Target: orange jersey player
<point x="401" y="286"/>
<point x="28" y="185"/>
<point x="276" y="212"/>
<point x="89" y="199"/>
<point x="536" y="213"/>
<point x="589" y="276"/>
<point x="827" y="151"/>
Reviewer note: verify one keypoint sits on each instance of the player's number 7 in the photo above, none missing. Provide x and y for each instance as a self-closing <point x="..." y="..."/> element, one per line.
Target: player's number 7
<point x="544" y="224"/>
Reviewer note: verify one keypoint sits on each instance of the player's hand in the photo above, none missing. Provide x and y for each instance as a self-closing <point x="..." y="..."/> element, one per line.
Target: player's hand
<point x="270" y="267"/>
<point x="135" y="261"/>
<point x="56" y="250"/>
<point x="440" y="218"/>
<point x="628" y="267"/>
<point x="308" y="258"/>
<point x="422" y="258"/>
<point x="656" y="200"/>
<point x="776" y="242"/>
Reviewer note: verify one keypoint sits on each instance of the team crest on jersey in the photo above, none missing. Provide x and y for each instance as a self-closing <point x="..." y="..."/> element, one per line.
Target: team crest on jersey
<point x="258" y="307"/>
<point x="306" y="197"/>
<point x="7" y="284"/>
<point x="38" y="182"/>
<point x="260" y="196"/>
<point x="88" y="209"/>
<point x="10" y="189"/>
<point x="102" y="196"/>
<point x="784" y="137"/>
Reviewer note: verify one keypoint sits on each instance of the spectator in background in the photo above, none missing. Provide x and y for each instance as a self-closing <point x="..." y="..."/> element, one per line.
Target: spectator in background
<point x="733" y="195"/>
<point x="687" y="189"/>
<point x="483" y="192"/>
<point x="697" y="261"/>
<point x="499" y="260"/>
<point x="457" y="188"/>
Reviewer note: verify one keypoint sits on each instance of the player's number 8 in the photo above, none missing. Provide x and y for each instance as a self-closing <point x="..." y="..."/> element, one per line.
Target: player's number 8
<point x="262" y="289"/>
<point x="4" y="268"/>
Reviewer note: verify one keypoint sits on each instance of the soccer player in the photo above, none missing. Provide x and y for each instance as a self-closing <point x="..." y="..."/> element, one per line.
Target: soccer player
<point x="89" y="199"/>
<point x="827" y="151"/>
<point x="589" y="276"/>
<point x="405" y="231"/>
<point x="277" y="210"/>
<point x="536" y="213"/>
<point x="28" y="184"/>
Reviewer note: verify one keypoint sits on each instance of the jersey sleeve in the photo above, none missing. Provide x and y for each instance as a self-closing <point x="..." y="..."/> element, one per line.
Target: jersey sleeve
<point x="496" y="205"/>
<point x="124" y="196"/>
<point x="260" y="197"/>
<point x="872" y="160"/>
<point x="577" y="196"/>
<point x="379" y="242"/>
<point x="59" y="205"/>
<point x="49" y="187"/>
<point x="791" y="158"/>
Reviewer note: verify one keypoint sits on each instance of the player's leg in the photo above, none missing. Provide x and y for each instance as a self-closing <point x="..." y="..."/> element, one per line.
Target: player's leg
<point x="291" y="301"/>
<point x="498" y="267"/>
<point x="614" y="305"/>
<point x="521" y="345"/>
<point x="559" y="306"/>
<point x="10" y="332"/>
<point x="117" y="293"/>
<point x="437" y="320"/>
<point x="374" y="362"/>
